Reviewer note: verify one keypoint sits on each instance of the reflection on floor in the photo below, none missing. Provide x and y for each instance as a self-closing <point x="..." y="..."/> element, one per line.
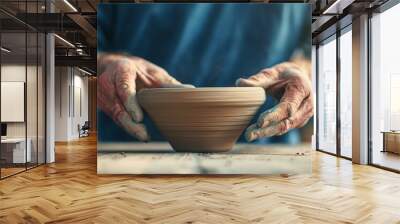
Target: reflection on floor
<point x="70" y="191"/>
<point x="10" y="169"/>
<point x="387" y="159"/>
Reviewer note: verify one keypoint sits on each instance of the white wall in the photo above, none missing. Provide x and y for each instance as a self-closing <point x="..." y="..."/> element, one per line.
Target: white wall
<point x="61" y="103"/>
<point x="71" y="102"/>
<point x="12" y="73"/>
<point x="80" y="112"/>
<point x="16" y="73"/>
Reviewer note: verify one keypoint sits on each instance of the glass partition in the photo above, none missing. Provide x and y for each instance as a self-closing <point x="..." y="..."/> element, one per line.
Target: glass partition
<point x="32" y="88"/>
<point x="385" y="89"/>
<point x="14" y="153"/>
<point x="22" y="77"/>
<point x="346" y="93"/>
<point x="41" y="96"/>
<point x="32" y="96"/>
<point x="327" y="96"/>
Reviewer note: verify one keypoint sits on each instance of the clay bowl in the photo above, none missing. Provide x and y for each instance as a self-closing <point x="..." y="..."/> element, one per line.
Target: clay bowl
<point x="202" y="119"/>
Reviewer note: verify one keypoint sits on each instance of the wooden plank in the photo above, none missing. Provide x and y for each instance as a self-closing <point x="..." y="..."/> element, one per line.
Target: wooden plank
<point x="159" y="158"/>
<point x="243" y="148"/>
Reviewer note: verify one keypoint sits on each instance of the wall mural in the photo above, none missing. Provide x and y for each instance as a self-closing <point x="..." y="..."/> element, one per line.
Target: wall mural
<point x="204" y="88"/>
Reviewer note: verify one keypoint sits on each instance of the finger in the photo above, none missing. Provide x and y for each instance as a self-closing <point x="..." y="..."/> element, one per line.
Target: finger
<point x="249" y="134"/>
<point x="105" y="86"/>
<point x="276" y="129"/>
<point x="125" y="82"/>
<point x="305" y="112"/>
<point x="272" y="130"/>
<point x="264" y="78"/>
<point x="124" y="120"/>
<point x="273" y="115"/>
<point x="299" y="119"/>
<point x="294" y="94"/>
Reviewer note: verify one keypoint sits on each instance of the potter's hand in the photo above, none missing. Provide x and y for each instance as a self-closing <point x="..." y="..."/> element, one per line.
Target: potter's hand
<point x="290" y="83"/>
<point x="120" y="77"/>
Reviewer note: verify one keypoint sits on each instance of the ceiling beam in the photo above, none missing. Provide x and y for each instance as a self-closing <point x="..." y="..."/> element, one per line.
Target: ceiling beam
<point x="337" y="7"/>
<point x="81" y="61"/>
<point x="86" y="27"/>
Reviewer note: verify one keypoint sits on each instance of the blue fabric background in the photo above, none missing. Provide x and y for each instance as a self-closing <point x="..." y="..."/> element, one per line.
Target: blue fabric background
<point x="204" y="44"/>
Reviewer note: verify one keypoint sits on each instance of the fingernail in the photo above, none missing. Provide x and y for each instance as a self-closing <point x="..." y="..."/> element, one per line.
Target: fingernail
<point x="144" y="136"/>
<point x="188" y="86"/>
<point x="138" y="117"/>
<point x="260" y="123"/>
<point x="250" y="136"/>
<point x="238" y="81"/>
<point x="134" y="115"/>
<point x="253" y="136"/>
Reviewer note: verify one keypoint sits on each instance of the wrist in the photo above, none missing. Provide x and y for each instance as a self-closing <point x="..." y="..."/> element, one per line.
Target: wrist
<point x="303" y="64"/>
<point x="105" y="59"/>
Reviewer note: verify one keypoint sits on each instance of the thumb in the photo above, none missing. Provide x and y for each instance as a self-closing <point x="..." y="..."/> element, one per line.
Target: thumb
<point x="241" y="82"/>
<point x="264" y="78"/>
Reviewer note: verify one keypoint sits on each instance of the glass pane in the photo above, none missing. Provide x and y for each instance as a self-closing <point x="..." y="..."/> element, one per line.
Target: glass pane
<point x="13" y="86"/>
<point x="23" y="82"/>
<point x="327" y="97"/>
<point x="31" y="97"/>
<point x="385" y="84"/>
<point x="41" y="98"/>
<point x="346" y="94"/>
<point x="32" y="88"/>
<point x="314" y="86"/>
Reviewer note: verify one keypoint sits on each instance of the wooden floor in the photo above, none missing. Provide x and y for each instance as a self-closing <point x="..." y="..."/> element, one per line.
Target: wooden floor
<point x="70" y="191"/>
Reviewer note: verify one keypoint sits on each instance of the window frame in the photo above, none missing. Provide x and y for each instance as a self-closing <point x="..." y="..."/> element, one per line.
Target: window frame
<point x="333" y="37"/>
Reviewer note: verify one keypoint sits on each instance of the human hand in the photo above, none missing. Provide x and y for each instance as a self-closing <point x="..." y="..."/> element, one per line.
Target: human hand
<point x="120" y="78"/>
<point x="290" y="83"/>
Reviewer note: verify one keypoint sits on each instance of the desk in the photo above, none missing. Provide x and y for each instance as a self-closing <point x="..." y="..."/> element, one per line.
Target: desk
<point x="13" y="150"/>
<point x="391" y="141"/>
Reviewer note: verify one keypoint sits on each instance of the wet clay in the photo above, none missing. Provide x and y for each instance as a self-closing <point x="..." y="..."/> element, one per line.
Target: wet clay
<point x="202" y="119"/>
